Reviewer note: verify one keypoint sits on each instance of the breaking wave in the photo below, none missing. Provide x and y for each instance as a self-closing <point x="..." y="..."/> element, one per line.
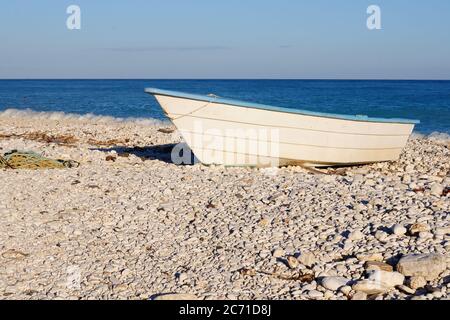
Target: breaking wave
<point x="28" y="113"/>
<point x="435" y="136"/>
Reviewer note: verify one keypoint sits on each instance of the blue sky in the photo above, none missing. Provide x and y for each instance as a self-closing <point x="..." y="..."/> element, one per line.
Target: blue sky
<point x="225" y="39"/>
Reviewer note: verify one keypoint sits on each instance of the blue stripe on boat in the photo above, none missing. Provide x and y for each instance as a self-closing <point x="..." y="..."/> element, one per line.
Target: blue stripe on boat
<point x="244" y="104"/>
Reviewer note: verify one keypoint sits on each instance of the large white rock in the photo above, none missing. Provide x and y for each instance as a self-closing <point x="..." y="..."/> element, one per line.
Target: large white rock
<point x="334" y="283"/>
<point x="390" y="279"/>
<point x="429" y="266"/>
<point x="370" y="287"/>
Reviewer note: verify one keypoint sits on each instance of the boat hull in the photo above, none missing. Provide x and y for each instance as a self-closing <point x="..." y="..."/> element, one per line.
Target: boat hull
<point x="232" y="135"/>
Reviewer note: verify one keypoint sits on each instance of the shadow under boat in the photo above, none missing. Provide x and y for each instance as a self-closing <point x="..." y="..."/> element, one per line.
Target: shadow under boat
<point x="181" y="154"/>
<point x="167" y="153"/>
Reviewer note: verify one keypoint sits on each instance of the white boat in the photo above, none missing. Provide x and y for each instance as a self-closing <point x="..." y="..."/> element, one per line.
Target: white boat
<point x="234" y="133"/>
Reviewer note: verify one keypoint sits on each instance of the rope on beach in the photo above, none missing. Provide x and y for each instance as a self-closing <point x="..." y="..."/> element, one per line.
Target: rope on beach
<point x="31" y="160"/>
<point x="3" y="163"/>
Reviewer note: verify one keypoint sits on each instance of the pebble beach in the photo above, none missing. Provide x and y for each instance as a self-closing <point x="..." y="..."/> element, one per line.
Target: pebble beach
<point x="129" y="224"/>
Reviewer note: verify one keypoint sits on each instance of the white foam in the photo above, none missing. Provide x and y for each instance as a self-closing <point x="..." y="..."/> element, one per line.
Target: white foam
<point x="436" y="137"/>
<point x="439" y="136"/>
<point x="44" y="115"/>
<point x="417" y="135"/>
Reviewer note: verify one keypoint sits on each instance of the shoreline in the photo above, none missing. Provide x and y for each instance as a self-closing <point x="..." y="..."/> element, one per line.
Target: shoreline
<point x="12" y="113"/>
<point x="135" y="226"/>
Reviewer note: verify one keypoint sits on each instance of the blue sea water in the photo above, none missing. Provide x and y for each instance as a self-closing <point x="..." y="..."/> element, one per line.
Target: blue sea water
<point x="428" y="101"/>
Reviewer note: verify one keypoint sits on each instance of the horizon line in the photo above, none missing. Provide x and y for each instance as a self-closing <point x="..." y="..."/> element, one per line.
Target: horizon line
<point x="229" y="79"/>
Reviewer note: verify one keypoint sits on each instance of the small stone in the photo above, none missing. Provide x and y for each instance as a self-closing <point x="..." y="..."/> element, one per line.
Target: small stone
<point x="406" y="179"/>
<point x="360" y="296"/>
<point x="121" y="287"/>
<point x="381" y="235"/>
<point x="328" y="294"/>
<point x="348" y="244"/>
<point x="297" y="293"/>
<point x="370" y="287"/>
<point x="406" y="289"/>
<point x="315" y="294"/>
<point x="376" y="265"/>
<point x="369" y="257"/>
<point x="264" y="222"/>
<point x="248" y="272"/>
<point x="361" y="170"/>
<point x="341" y="268"/>
<point x="182" y="277"/>
<point x="417" y="282"/>
<point x="310" y="286"/>
<point x="307" y="259"/>
<point x="355" y="235"/>
<point x="437" y="190"/>
<point x="442" y="231"/>
<point x="429" y="266"/>
<point x="292" y="262"/>
<point x="425" y="235"/>
<point x="399" y="230"/>
<point x="359" y="207"/>
<point x="111" y="158"/>
<point x="278" y="253"/>
<point x="345" y="290"/>
<point x="389" y="279"/>
<point x="334" y="283"/>
<point x="328" y="179"/>
<point x="176" y="297"/>
<point x="416" y="228"/>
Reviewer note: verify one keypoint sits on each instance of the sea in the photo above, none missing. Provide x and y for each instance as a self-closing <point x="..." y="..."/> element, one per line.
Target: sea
<point x="427" y="101"/>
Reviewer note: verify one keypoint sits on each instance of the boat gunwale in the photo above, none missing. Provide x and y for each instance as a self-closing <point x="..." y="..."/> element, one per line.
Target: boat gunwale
<point x="238" y="103"/>
<point x="282" y="127"/>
